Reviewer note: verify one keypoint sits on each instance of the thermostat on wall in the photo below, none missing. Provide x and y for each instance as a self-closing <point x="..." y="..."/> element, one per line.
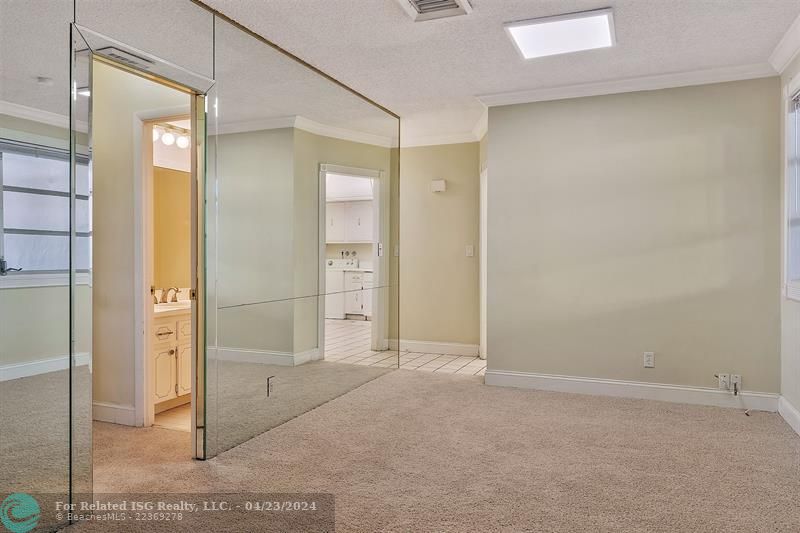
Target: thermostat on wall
<point x="438" y="185"/>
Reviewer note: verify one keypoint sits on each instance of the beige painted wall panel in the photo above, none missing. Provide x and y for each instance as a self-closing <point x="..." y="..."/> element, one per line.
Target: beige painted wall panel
<point x="117" y="96"/>
<point x="172" y="198"/>
<point x="255" y="261"/>
<point x="638" y="222"/>
<point x="439" y="284"/>
<point x="790" y="309"/>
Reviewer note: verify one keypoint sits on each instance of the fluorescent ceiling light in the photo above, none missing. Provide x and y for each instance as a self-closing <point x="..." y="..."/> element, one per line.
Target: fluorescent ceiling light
<point x="563" y="34"/>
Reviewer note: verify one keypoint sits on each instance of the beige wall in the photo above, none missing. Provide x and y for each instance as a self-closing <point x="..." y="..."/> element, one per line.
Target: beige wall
<point x="117" y="96"/>
<point x="438" y="284"/>
<point x="172" y="237"/>
<point x="638" y="222"/>
<point x="790" y="309"/>
<point x="34" y="321"/>
<point x="255" y="261"/>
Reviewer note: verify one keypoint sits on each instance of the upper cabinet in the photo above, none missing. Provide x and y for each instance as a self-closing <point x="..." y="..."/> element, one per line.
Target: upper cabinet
<point x="349" y="222"/>
<point x="335" y="230"/>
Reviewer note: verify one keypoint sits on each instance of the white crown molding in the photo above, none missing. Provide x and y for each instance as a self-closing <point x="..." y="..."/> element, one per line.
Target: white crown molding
<point x="39" y="115"/>
<point x="256" y="125"/>
<point x="482" y="126"/>
<point x="787" y="49"/>
<point x="325" y="130"/>
<point x="308" y="125"/>
<point x="644" y="83"/>
<point x="434" y="140"/>
<point x="760" y="401"/>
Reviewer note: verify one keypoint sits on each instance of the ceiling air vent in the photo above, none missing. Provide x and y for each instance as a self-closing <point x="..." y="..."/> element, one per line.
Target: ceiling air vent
<point x="125" y="57"/>
<point x="420" y="10"/>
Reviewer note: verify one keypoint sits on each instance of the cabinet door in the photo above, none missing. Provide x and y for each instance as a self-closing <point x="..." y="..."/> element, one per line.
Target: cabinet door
<point x="184" y="369"/>
<point x="352" y="303"/>
<point x="366" y="297"/>
<point x="359" y="221"/>
<point x="165" y="374"/>
<point x="335" y="212"/>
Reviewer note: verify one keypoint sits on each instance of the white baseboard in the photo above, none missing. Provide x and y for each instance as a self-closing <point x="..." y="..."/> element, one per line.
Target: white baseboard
<point x="42" y="366"/>
<point x="114" y="413"/>
<point x="449" y="348"/>
<point x="265" y="357"/>
<point x="307" y="356"/>
<point x="789" y="413"/>
<point x="760" y="401"/>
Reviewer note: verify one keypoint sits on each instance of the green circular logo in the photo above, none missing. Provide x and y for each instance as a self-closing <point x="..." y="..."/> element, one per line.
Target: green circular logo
<point x="20" y="513"/>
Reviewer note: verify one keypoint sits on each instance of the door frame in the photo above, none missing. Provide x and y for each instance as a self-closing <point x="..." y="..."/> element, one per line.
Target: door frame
<point x="380" y="271"/>
<point x="143" y="122"/>
<point x="483" y="257"/>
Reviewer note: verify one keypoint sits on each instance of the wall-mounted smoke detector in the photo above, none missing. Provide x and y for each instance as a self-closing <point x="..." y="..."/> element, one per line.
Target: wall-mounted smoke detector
<point x="420" y="10"/>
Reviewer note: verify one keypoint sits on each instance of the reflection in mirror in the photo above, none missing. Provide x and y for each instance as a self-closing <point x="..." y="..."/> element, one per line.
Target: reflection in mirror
<point x="35" y="238"/>
<point x="279" y="132"/>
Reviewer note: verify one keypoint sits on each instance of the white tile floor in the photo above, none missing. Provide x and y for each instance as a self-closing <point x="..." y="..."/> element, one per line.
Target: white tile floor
<point x="348" y="341"/>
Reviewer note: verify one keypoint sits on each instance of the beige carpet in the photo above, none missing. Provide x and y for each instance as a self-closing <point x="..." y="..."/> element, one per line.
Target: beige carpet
<point x="414" y="451"/>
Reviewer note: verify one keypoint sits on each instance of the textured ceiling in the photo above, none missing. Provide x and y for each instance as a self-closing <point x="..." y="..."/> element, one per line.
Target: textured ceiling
<point x="430" y="72"/>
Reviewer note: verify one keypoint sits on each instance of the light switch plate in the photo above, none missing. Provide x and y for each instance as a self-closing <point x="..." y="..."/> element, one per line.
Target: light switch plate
<point x="470" y="251"/>
<point x="649" y="359"/>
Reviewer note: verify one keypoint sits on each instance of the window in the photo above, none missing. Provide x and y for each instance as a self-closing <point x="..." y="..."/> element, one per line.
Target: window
<point x="35" y="214"/>
<point x="793" y="201"/>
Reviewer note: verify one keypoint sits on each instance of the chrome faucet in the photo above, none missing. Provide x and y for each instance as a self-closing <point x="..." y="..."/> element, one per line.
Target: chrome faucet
<point x="155" y="298"/>
<point x="165" y="295"/>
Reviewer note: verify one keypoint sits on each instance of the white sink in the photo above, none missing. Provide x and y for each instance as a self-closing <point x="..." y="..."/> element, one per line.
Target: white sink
<point x="172" y="306"/>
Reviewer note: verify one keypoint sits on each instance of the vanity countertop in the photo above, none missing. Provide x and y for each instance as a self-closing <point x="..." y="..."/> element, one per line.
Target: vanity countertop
<point x="181" y="307"/>
<point x="350" y="269"/>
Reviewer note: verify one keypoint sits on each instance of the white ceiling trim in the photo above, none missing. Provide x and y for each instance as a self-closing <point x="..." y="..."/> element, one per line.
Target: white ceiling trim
<point x="644" y="83"/>
<point x="38" y="115"/>
<point x="434" y="140"/>
<point x="255" y="125"/>
<point x="482" y="126"/>
<point x="788" y="48"/>
<point x="308" y="125"/>
<point x="325" y="130"/>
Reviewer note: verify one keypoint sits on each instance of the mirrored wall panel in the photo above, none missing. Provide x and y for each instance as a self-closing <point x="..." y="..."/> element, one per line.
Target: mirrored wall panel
<point x="44" y="222"/>
<point x="304" y="239"/>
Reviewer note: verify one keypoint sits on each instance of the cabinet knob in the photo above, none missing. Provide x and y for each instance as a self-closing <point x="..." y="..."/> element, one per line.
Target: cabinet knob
<point x="172" y="352"/>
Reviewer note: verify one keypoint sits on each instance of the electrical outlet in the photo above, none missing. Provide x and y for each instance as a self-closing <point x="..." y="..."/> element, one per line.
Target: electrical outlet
<point x="724" y="381"/>
<point x="649" y="359"/>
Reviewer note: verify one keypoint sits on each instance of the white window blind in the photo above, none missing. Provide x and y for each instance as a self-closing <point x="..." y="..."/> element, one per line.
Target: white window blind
<point x="35" y="224"/>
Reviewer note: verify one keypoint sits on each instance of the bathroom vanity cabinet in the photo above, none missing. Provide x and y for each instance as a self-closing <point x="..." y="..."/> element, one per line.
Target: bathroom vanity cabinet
<point x="171" y="356"/>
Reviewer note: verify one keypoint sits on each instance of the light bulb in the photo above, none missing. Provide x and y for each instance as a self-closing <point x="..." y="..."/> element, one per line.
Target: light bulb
<point x="182" y="141"/>
<point x="156" y="134"/>
<point x="168" y="139"/>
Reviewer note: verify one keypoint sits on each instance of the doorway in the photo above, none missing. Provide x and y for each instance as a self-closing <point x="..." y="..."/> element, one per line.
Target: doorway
<point x="146" y="216"/>
<point x="353" y="228"/>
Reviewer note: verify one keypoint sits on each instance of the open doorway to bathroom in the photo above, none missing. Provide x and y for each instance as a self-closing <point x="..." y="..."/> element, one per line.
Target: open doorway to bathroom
<point x="144" y="252"/>
<point x="352" y="231"/>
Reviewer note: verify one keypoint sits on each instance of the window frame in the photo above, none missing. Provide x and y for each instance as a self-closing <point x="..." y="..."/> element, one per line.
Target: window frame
<point x="791" y="183"/>
<point x="38" y="278"/>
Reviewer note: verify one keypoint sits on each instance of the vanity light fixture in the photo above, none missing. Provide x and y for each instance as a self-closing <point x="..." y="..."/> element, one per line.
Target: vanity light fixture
<point x="156" y="134"/>
<point x="168" y="139"/>
<point x="182" y="141"/>
<point x="563" y="34"/>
